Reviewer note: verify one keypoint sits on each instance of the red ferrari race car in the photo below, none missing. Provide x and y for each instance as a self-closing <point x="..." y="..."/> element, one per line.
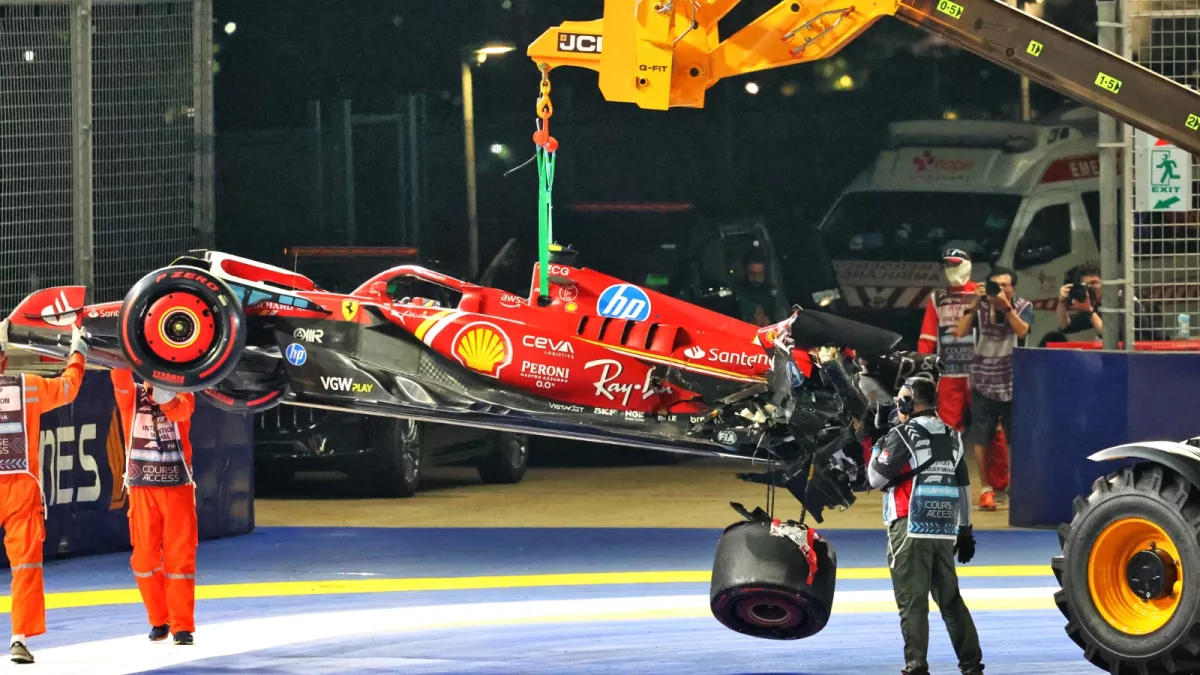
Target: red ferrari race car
<point x="595" y="359"/>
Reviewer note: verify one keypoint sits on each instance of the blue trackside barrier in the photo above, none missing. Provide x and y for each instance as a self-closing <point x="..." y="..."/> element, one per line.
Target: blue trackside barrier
<point x="1068" y="404"/>
<point x="81" y="453"/>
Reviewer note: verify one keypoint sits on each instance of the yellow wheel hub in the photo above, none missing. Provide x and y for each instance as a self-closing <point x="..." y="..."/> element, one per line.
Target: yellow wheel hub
<point x="1134" y="577"/>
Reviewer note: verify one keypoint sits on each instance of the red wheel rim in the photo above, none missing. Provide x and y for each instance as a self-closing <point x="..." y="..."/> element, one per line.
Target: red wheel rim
<point x="764" y="609"/>
<point x="179" y="327"/>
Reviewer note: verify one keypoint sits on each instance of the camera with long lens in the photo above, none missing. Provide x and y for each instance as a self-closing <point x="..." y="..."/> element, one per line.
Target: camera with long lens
<point x="1080" y="293"/>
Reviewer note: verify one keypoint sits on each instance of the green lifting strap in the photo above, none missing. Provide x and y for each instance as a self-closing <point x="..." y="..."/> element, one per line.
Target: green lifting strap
<point x="545" y="162"/>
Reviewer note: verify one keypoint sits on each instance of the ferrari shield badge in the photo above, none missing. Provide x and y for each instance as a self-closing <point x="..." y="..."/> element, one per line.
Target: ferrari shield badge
<point x="349" y="309"/>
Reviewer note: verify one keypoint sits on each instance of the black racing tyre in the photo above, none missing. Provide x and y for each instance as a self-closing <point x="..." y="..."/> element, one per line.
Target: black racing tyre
<point x="507" y="461"/>
<point x="760" y="584"/>
<point x="1130" y="572"/>
<point x="249" y="403"/>
<point x="257" y="386"/>
<point x="182" y="328"/>
<point x="398" y="448"/>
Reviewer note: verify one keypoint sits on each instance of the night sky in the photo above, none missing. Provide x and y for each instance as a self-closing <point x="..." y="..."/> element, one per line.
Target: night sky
<point x="782" y="155"/>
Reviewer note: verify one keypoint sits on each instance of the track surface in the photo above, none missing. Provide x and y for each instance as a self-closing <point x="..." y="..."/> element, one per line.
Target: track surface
<point x="494" y="600"/>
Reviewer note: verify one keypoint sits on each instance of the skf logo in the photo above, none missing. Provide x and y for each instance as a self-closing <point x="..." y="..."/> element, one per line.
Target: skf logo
<point x="349" y="309"/>
<point x="483" y="347"/>
<point x="576" y="42"/>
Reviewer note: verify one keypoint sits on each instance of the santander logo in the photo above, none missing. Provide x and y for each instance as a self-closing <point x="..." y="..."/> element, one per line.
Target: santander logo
<point x="59" y="313"/>
<point x="694" y="352"/>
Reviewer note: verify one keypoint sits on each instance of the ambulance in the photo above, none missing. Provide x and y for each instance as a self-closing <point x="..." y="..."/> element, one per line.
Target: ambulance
<point x="1016" y="194"/>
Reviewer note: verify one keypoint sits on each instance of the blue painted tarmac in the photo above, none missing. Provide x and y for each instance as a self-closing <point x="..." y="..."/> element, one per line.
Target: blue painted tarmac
<point x="860" y="638"/>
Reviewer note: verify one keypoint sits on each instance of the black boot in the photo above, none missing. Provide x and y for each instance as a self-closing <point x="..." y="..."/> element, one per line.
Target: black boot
<point x="20" y="654"/>
<point x="183" y="637"/>
<point x="159" y="633"/>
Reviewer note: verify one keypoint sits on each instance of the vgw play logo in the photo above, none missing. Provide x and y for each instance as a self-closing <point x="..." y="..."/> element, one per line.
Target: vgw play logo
<point x="624" y="301"/>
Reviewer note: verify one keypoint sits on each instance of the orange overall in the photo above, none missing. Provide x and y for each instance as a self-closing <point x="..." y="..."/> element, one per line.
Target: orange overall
<point x="22" y="512"/>
<point x="162" y="520"/>
<point x="942" y="312"/>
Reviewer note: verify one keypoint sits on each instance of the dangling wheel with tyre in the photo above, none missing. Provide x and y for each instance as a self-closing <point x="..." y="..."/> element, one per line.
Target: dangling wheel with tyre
<point x="760" y="584"/>
<point x="1130" y="572"/>
<point x="222" y="397"/>
<point x="258" y="385"/>
<point x="182" y="329"/>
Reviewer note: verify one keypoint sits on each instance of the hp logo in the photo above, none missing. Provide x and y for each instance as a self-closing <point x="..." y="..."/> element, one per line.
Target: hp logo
<point x="624" y="301"/>
<point x="296" y="354"/>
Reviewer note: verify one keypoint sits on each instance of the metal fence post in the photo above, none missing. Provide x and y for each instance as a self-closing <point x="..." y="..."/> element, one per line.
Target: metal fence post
<point x="83" y="251"/>
<point x="1162" y="249"/>
<point x="1127" y="215"/>
<point x="348" y="169"/>
<point x="203" y="214"/>
<point x="1115" y="321"/>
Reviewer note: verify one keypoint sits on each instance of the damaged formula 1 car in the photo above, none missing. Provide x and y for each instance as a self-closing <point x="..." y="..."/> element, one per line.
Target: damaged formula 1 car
<point x="595" y="359"/>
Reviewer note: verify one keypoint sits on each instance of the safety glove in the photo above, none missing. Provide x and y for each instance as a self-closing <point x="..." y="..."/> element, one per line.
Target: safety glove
<point x="965" y="545"/>
<point x="79" y="341"/>
<point x="161" y="396"/>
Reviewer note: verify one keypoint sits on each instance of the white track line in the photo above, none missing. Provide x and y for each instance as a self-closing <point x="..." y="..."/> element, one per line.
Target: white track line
<point x="135" y="654"/>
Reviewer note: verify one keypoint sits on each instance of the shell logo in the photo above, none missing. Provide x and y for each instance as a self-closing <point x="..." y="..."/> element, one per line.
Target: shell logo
<point x="483" y="347"/>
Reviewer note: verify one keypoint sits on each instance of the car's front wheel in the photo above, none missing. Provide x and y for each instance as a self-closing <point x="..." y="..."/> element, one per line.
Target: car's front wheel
<point x="182" y="328"/>
<point x="507" y="461"/>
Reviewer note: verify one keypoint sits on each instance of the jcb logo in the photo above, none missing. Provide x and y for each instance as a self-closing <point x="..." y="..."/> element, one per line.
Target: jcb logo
<point x="575" y="42"/>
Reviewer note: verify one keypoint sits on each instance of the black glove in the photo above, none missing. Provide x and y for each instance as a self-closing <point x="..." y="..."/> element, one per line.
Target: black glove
<point x="965" y="546"/>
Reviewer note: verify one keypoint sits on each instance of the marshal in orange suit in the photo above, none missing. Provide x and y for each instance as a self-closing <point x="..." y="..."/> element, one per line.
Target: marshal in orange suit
<point x="23" y="400"/>
<point x="162" y="502"/>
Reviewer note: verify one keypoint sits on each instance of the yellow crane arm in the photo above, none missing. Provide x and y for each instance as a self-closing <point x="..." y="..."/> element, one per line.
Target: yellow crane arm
<point x="659" y="54"/>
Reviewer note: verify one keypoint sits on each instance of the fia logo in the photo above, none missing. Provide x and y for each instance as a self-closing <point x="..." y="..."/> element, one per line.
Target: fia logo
<point x="624" y="301"/>
<point x="296" y="354"/>
<point x="727" y="437"/>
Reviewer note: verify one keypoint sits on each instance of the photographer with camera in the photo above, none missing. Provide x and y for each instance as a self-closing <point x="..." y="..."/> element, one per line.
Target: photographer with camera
<point x="1004" y="321"/>
<point x="1081" y="294"/>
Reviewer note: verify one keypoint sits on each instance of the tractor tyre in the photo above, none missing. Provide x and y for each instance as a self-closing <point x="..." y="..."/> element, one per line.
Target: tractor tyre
<point x="1130" y="572"/>
<point x="181" y="328"/>
<point x="760" y="584"/>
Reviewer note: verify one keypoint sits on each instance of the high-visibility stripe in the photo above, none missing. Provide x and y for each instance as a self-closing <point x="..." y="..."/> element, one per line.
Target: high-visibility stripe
<point x="419" y="333"/>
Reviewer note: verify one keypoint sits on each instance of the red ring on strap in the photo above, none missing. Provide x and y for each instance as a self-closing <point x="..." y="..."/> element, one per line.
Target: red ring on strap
<point x="191" y="311"/>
